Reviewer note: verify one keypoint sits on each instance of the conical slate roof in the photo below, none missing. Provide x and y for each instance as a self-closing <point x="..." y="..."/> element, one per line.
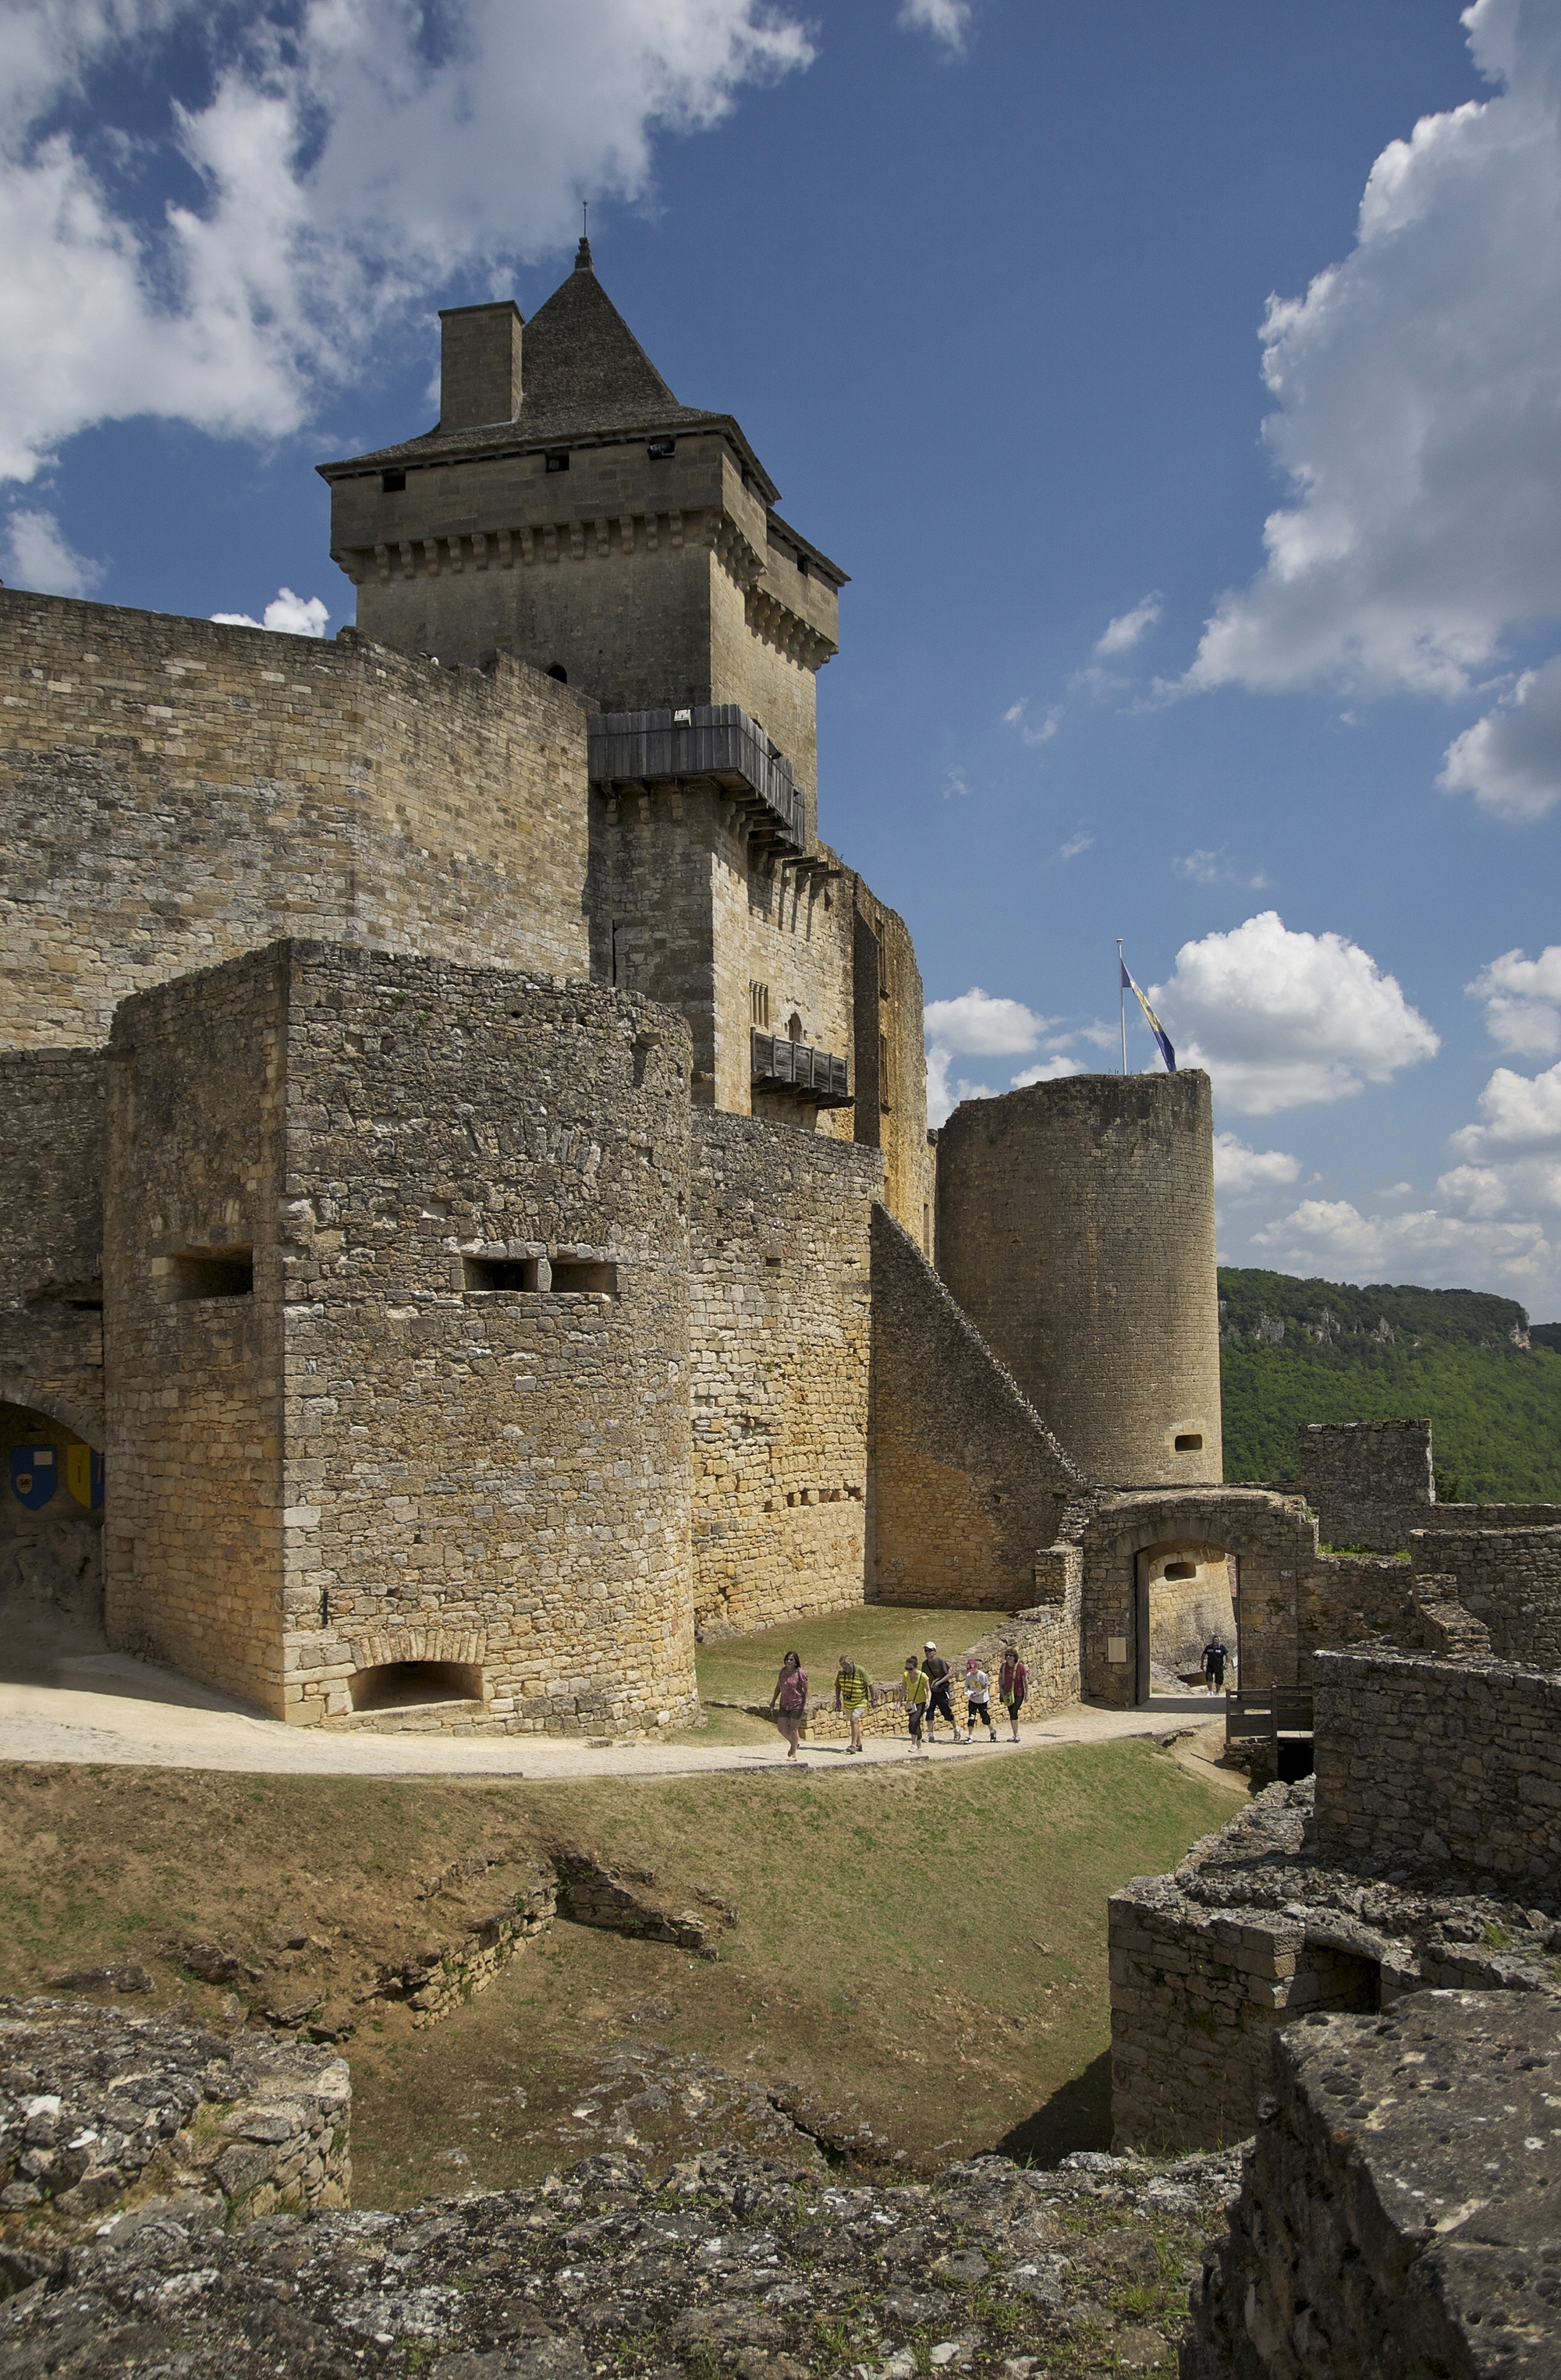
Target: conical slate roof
<point x="583" y="374"/>
<point x="579" y="357"/>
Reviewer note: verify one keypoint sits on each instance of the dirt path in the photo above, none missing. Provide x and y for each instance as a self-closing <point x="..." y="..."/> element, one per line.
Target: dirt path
<point x="108" y="1708"/>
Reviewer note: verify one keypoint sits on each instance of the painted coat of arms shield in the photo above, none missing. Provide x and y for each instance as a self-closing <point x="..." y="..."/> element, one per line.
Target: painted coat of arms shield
<point x="34" y="1475"/>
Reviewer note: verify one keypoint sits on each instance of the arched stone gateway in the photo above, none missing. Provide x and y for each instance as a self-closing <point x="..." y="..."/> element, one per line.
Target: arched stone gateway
<point x="1287" y="1598"/>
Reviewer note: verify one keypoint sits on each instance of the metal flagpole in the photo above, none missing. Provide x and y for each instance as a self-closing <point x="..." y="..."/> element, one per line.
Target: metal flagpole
<point x="1122" y="1002"/>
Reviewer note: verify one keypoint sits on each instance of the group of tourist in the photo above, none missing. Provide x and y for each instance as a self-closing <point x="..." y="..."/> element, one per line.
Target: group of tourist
<point x="929" y="1696"/>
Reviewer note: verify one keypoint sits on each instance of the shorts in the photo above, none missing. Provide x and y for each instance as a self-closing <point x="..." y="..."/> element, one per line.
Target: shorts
<point x="980" y="1714"/>
<point x="1014" y="1710"/>
<point x="913" y="1713"/>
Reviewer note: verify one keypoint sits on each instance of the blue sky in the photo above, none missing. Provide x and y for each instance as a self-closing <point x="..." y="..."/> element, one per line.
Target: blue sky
<point x="1180" y="387"/>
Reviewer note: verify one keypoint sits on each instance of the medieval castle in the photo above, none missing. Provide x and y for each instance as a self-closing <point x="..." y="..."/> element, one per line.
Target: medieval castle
<point x="474" y="1224"/>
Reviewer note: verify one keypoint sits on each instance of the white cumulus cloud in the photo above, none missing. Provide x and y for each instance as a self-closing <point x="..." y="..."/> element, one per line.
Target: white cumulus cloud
<point x="980" y="1025"/>
<point x="1285" y="1020"/>
<point x="1050" y="1070"/>
<point x="1522" y="998"/>
<point x="288" y="613"/>
<point x="1332" y="1237"/>
<point x="947" y="20"/>
<point x="42" y="558"/>
<point x="1510" y="761"/>
<point x="340" y="169"/>
<point x="1123" y="633"/>
<point x="1241" y="1172"/>
<point x="1417" y="421"/>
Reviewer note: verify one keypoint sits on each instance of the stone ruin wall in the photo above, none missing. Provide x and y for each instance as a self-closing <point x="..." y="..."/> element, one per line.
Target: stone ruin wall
<point x="391" y="1459"/>
<point x="779" y="1324"/>
<point x="1197" y="1996"/>
<point x="1510" y="1579"/>
<point x="104" y="2113"/>
<point x="1365" y="1479"/>
<point x="1443" y="1764"/>
<point x="1393" y="2220"/>
<point x="176" y="793"/>
<point x="968" y="1484"/>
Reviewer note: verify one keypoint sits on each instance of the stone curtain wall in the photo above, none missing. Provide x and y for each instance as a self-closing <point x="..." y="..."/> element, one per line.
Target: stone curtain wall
<point x="1510" y="1579"/>
<point x="779" y="1326"/>
<point x="1351" y="1599"/>
<point x="175" y="793"/>
<point x="1076" y="1228"/>
<point x="1395" y="2218"/>
<point x="1367" y="1481"/>
<point x="53" y="1106"/>
<point x="1196" y="1998"/>
<point x="194" y="1442"/>
<point x="1441" y="1764"/>
<point x="889" y="1072"/>
<point x="490" y="1475"/>
<point x="968" y="1484"/>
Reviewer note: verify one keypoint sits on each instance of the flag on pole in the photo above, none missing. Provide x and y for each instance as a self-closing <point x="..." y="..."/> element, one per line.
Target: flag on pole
<point x="1161" y="1036"/>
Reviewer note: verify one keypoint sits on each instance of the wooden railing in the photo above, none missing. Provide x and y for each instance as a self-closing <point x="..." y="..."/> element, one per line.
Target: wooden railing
<point x="1272" y="1711"/>
<point x="813" y="1075"/>
<point x="713" y="743"/>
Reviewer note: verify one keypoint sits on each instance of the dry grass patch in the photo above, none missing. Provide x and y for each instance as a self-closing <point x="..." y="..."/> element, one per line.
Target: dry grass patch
<point x="927" y="1944"/>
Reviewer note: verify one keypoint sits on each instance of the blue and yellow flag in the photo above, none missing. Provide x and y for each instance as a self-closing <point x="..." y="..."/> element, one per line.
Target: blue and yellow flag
<point x="1161" y="1036"/>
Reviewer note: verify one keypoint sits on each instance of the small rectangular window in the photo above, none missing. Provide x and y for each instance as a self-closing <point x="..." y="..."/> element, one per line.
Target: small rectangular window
<point x="486" y="1274"/>
<point x="759" y="1006"/>
<point x="558" y="462"/>
<point x="662" y="450"/>
<point x="1192" y="1443"/>
<point x="392" y="483"/>
<point x="212" y="1272"/>
<point x="585" y="1273"/>
<point x="802" y="566"/>
<point x="1182" y="1569"/>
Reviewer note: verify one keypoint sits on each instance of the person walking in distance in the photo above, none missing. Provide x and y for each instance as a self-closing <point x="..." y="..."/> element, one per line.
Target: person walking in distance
<point x="789" y="1701"/>
<point x="853" y="1695"/>
<point x="916" y="1693"/>
<point x="978" y="1700"/>
<point x="940" y="1701"/>
<point x="1216" y="1653"/>
<point x="1013" y="1685"/>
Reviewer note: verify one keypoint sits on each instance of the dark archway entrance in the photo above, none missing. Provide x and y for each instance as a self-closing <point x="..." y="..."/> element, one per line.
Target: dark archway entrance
<point x="1185" y="1596"/>
<point x="51" y="1527"/>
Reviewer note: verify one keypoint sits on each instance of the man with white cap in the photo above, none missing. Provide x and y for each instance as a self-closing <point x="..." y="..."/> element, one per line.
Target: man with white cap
<point x="935" y="1670"/>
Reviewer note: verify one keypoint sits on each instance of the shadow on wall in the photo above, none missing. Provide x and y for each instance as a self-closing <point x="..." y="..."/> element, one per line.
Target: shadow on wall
<point x="1076" y="2116"/>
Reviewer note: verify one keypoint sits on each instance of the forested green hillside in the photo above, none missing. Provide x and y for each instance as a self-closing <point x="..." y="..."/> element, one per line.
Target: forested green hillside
<point x="1296" y="1351"/>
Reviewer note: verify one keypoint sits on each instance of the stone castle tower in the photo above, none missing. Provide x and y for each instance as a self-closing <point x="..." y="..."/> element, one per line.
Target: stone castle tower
<point x="467" y="1131"/>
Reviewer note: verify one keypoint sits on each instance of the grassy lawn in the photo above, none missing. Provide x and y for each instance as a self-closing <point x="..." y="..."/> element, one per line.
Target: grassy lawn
<point x="876" y="1635"/>
<point x="927" y="1944"/>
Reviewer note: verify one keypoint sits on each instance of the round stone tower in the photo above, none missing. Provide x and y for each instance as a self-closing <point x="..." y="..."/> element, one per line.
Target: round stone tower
<point x="1076" y="1227"/>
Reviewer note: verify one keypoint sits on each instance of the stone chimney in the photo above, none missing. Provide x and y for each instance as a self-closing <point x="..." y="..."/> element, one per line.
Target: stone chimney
<point x="480" y="365"/>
